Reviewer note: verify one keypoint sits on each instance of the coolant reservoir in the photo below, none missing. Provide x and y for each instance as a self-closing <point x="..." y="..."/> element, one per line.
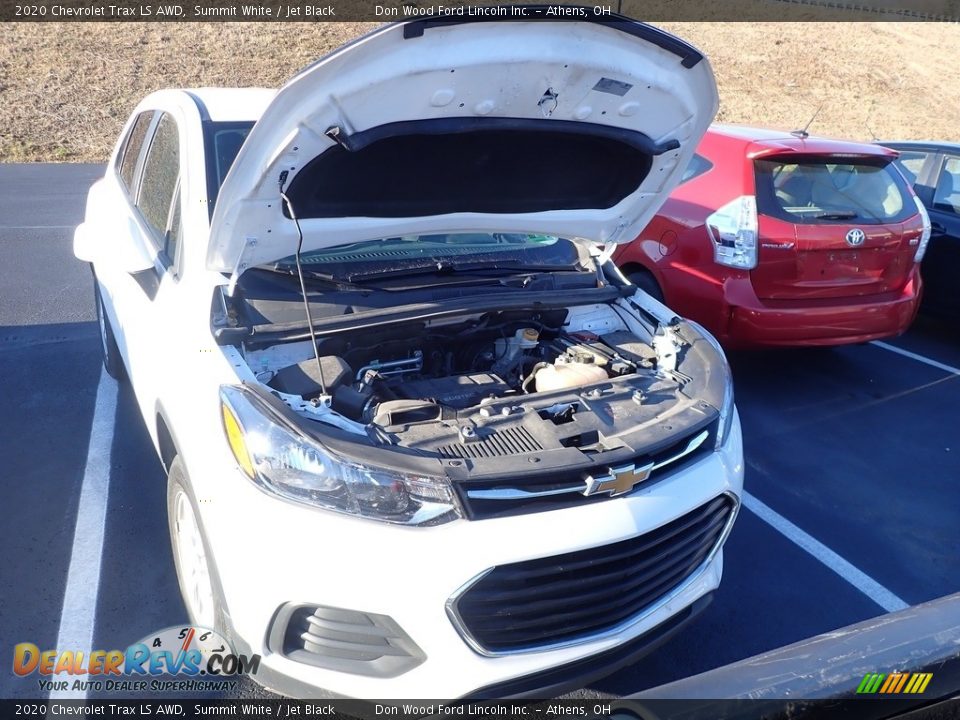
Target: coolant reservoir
<point x="562" y="376"/>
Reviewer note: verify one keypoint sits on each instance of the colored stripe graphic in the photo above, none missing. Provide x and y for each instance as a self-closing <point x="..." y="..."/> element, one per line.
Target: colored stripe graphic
<point x="894" y="683"/>
<point x="892" y="680"/>
<point x="900" y="684"/>
<point x="870" y="683"/>
<point x="919" y="683"/>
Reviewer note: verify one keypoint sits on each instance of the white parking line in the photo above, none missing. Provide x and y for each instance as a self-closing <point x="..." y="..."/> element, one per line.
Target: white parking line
<point x="919" y="358"/>
<point x="856" y="577"/>
<point x="83" y="579"/>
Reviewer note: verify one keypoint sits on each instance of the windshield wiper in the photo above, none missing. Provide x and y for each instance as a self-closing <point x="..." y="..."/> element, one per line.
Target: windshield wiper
<point x="317" y="278"/>
<point x="483" y="269"/>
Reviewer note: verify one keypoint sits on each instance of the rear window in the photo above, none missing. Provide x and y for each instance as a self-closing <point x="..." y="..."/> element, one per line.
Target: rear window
<point x="832" y="190"/>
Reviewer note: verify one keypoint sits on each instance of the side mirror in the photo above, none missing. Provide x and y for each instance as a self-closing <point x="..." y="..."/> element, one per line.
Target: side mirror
<point x="126" y="252"/>
<point x="83" y="245"/>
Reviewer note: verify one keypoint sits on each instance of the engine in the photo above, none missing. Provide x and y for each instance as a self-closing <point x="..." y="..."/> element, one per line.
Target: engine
<point x="431" y="374"/>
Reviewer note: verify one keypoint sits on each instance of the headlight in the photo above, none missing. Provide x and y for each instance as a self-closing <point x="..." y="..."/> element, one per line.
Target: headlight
<point x="727" y="408"/>
<point x="280" y="459"/>
<point x="726" y="405"/>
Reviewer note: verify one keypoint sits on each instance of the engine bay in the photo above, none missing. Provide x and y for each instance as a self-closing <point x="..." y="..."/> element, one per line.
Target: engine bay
<point x="549" y="394"/>
<point x="416" y="374"/>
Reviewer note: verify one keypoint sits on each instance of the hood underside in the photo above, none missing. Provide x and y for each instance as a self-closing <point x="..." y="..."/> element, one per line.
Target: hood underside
<point x="578" y="129"/>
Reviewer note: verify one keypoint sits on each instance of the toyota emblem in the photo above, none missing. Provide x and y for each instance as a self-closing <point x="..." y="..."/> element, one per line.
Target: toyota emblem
<point x="856" y="237"/>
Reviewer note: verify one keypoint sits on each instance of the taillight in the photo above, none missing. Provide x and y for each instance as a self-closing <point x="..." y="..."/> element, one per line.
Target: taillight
<point x="925" y="236"/>
<point x="733" y="230"/>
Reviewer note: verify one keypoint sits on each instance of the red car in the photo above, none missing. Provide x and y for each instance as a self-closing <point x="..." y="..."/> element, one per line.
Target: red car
<point x="776" y="238"/>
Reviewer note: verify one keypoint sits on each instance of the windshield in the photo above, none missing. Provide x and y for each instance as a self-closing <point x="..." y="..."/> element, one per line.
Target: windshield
<point x="448" y="251"/>
<point x="824" y="189"/>
<point x="222" y="141"/>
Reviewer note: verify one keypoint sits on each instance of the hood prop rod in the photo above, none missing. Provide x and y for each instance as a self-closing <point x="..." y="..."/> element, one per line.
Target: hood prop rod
<point x="324" y="397"/>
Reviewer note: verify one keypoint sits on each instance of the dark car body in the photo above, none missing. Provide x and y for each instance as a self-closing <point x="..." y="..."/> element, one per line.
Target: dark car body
<point x="934" y="171"/>
<point x="776" y="239"/>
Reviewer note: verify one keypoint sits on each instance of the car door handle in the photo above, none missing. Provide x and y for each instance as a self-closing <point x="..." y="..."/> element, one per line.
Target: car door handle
<point x="937" y="229"/>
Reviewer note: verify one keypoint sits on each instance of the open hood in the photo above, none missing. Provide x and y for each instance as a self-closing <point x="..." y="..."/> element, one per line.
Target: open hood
<point x="572" y="128"/>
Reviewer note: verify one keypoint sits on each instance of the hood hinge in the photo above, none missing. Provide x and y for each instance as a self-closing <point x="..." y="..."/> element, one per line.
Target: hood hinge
<point x="617" y="232"/>
<point x="250" y="242"/>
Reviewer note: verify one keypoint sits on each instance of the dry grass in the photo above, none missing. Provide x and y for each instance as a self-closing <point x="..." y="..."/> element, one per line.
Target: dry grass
<point x="65" y="89"/>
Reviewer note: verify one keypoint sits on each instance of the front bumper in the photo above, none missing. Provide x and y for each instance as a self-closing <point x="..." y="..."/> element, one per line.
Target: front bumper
<point x="292" y="553"/>
<point x="558" y="680"/>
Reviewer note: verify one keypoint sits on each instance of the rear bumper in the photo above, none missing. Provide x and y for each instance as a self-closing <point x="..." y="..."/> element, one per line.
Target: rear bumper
<point x="744" y="320"/>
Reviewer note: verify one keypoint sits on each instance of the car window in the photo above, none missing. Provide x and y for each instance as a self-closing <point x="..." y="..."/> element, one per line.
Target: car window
<point x="161" y="170"/>
<point x="174" y="232"/>
<point x="697" y="166"/>
<point x="947" y="195"/>
<point x="223" y="142"/>
<point x="911" y="163"/>
<point x="226" y="145"/>
<point x="131" y="151"/>
<point x="820" y="190"/>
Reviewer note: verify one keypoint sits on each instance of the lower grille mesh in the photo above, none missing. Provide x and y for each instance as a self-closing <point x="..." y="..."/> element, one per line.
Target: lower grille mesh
<point x="579" y="594"/>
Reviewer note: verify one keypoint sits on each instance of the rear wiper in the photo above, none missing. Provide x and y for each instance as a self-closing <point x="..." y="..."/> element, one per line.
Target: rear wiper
<point x="834" y="214"/>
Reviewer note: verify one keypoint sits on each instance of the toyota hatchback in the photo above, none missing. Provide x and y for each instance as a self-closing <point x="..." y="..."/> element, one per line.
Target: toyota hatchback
<point x="422" y="438"/>
<point x="778" y="238"/>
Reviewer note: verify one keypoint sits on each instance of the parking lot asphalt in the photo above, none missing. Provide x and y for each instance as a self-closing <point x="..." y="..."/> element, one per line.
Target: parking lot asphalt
<point x="853" y="463"/>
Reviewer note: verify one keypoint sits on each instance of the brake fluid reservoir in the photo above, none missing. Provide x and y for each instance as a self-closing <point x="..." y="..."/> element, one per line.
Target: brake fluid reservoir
<point x="508" y="349"/>
<point x="561" y="376"/>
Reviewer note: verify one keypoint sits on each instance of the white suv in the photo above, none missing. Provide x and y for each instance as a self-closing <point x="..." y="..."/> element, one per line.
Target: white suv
<point x="423" y="439"/>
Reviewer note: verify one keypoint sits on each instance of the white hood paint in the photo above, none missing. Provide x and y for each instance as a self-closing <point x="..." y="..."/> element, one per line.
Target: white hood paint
<point x="469" y="70"/>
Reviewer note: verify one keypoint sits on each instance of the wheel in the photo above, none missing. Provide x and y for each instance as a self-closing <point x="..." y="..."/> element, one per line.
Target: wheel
<point x="112" y="361"/>
<point x="644" y="280"/>
<point x="196" y="573"/>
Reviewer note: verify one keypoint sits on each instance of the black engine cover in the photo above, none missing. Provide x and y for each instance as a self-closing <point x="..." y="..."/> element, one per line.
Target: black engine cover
<point x="456" y="391"/>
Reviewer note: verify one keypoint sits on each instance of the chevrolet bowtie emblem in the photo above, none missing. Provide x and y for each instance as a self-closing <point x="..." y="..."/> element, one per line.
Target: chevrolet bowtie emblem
<point x="618" y="480"/>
